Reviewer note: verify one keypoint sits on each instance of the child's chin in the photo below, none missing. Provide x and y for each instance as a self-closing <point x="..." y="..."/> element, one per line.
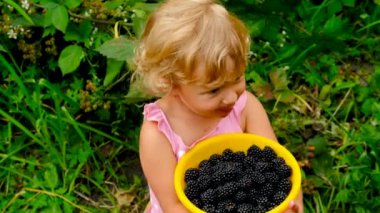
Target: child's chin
<point x="223" y="113"/>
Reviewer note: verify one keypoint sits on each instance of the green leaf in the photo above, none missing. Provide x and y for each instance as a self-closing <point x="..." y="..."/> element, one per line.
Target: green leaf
<point x="333" y="26"/>
<point x="285" y="96"/>
<point x="54" y="208"/>
<point x="119" y="49"/>
<point x="260" y="87"/>
<point x="135" y="94"/>
<point x="2" y="48"/>
<point x="349" y="3"/>
<point x="279" y="79"/>
<point x="256" y="27"/>
<point x="72" y="3"/>
<point x="286" y="52"/>
<point x="138" y="25"/>
<point x="344" y="85"/>
<point x="51" y="176"/>
<point x="319" y="143"/>
<point x="325" y="92"/>
<point x="49" y="4"/>
<point x="79" y="33"/>
<point x="20" y="10"/>
<point x="342" y="196"/>
<point x="314" y="78"/>
<point x="70" y="58"/>
<point x="84" y="153"/>
<point x="334" y="7"/>
<point x="112" y="5"/>
<point x="148" y="7"/>
<point x="113" y="69"/>
<point x="99" y="176"/>
<point x="60" y="18"/>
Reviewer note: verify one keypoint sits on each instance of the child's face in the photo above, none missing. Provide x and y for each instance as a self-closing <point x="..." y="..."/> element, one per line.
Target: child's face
<point x="212" y="102"/>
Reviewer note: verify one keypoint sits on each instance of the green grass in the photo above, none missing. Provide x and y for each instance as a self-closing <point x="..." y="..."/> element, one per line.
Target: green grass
<point x="69" y="141"/>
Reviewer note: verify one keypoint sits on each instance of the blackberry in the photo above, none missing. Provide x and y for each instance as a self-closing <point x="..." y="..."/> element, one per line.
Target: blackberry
<point x="271" y="177"/>
<point x="254" y="151"/>
<point x="240" y="196"/>
<point x="209" y="208"/>
<point x="238" y="182"/>
<point x="278" y="197"/>
<point x="259" y="209"/>
<point x="245" y="208"/>
<point x="268" y="153"/>
<point x="226" y="171"/>
<point x="262" y="201"/>
<point x="205" y="170"/>
<point x="239" y="169"/>
<point x="278" y="161"/>
<point x="204" y="163"/>
<point x="215" y="159"/>
<point x="249" y="162"/>
<point x="262" y="166"/>
<point x="239" y="156"/>
<point x="204" y="183"/>
<point x="192" y="189"/>
<point x="191" y="174"/>
<point x="284" y="185"/>
<point x="216" y="179"/>
<point x="245" y="182"/>
<point x="284" y="171"/>
<point x="258" y="178"/>
<point x="197" y="202"/>
<point x="226" y="206"/>
<point x="252" y="194"/>
<point x="226" y="190"/>
<point x="228" y="155"/>
<point x="208" y="197"/>
<point x="267" y="189"/>
<point x="249" y="171"/>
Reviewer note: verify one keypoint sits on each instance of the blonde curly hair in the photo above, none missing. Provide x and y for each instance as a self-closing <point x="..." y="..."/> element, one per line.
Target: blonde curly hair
<point x="184" y="34"/>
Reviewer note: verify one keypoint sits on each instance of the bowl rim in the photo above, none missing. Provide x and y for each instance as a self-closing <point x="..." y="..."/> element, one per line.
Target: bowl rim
<point x="285" y="153"/>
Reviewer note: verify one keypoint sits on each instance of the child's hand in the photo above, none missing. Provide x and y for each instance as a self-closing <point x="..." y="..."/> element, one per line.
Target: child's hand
<point x="296" y="206"/>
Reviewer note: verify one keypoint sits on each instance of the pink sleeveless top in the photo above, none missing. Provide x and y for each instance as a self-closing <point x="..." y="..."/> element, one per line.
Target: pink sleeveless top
<point x="229" y="124"/>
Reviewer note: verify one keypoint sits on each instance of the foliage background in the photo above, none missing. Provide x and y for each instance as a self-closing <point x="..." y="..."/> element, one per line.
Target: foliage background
<point x="69" y="120"/>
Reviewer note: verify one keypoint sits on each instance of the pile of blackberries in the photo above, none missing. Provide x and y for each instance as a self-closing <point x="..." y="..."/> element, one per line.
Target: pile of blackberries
<point x="255" y="181"/>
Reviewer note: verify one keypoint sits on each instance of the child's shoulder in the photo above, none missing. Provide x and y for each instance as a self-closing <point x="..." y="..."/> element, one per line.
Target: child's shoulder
<point x="150" y="135"/>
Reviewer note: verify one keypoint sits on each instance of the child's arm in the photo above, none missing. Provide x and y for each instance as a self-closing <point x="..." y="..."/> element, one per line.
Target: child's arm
<point x="256" y="121"/>
<point x="255" y="118"/>
<point x="158" y="163"/>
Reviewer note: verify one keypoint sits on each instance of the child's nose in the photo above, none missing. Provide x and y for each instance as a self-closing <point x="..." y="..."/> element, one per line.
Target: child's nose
<point x="230" y="98"/>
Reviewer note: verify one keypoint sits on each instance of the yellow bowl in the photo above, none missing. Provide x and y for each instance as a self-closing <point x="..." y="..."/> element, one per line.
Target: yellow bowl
<point x="235" y="142"/>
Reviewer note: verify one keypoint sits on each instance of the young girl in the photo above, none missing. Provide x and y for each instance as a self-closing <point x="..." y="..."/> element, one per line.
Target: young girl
<point x="192" y="55"/>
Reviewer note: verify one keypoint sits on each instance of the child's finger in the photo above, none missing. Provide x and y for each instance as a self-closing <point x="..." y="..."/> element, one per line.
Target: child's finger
<point x="292" y="208"/>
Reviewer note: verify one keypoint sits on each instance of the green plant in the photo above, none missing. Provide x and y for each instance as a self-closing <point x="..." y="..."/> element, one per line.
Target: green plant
<point x="316" y="75"/>
<point x="69" y="120"/>
<point x="68" y="137"/>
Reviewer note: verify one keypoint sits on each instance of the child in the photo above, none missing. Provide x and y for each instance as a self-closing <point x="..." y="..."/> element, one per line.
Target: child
<point x="192" y="55"/>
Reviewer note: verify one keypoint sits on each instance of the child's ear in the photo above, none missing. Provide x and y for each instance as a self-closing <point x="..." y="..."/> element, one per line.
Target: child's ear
<point x="174" y="89"/>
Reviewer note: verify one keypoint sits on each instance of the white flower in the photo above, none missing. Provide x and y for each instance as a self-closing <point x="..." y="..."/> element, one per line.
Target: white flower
<point x="95" y="30"/>
<point x="91" y="41"/>
<point x="12" y="34"/>
<point x="25" y="4"/>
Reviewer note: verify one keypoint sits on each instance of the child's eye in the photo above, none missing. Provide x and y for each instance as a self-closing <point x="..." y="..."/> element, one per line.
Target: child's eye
<point x="239" y="79"/>
<point x="214" y="91"/>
